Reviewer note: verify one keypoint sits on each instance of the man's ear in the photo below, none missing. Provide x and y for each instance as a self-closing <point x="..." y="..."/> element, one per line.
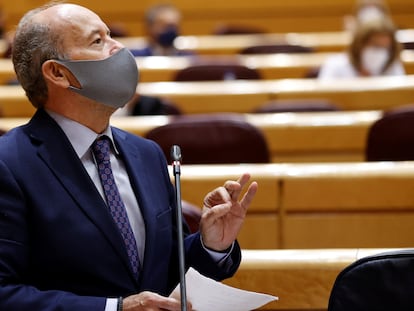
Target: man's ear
<point x="58" y="74"/>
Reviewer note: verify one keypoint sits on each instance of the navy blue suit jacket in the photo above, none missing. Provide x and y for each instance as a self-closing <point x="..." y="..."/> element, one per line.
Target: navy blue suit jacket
<point x="59" y="248"/>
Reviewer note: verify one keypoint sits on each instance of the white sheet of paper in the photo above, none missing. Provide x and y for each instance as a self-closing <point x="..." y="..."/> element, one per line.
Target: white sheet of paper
<point x="206" y="294"/>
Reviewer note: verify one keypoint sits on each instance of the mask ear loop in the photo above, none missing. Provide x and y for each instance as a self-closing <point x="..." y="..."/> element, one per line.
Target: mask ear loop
<point x="57" y="73"/>
<point x="65" y="71"/>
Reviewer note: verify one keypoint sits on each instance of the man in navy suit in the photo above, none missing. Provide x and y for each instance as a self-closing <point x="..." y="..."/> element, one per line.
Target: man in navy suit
<point x="60" y="248"/>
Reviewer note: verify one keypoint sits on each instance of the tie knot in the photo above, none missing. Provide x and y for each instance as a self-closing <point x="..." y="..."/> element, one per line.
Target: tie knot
<point x="101" y="149"/>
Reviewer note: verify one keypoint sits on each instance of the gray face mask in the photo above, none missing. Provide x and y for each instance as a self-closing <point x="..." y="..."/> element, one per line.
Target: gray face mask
<point x="112" y="81"/>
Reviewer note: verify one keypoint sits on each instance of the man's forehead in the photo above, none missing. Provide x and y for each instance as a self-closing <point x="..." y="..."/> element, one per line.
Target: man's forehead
<point x="169" y="14"/>
<point x="66" y="13"/>
<point x="76" y="23"/>
<point x="70" y="11"/>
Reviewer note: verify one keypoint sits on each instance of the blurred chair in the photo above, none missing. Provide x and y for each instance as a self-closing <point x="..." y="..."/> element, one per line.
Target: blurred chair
<point x="297" y="105"/>
<point x="312" y="73"/>
<point x="380" y="282"/>
<point x="391" y="138"/>
<point x="212" y="139"/>
<point x="142" y="105"/>
<point x="276" y="48"/>
<point x="216" y="72"/>
<point x="233" y="29"/>
<point x="409" y="45"/>
<point x="192" y="215"/>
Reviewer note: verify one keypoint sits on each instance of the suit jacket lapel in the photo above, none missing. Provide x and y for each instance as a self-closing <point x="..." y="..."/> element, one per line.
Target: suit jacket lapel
<point x="55" y="149"/>
<point x="140" y="183"/>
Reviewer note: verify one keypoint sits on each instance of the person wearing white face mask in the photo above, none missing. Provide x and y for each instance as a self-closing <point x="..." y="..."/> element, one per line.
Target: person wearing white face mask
<point x="374" y="59"/>
<point x="374" y="51"/>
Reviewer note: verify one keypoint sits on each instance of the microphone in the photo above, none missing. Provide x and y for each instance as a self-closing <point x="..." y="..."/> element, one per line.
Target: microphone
<point x="176" y="162"/>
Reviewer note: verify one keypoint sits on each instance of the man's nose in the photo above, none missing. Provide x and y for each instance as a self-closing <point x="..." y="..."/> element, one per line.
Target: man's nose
<point x="115" y="46"/>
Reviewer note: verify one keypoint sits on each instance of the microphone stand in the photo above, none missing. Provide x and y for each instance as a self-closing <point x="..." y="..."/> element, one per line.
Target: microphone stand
<point x="176" y="159"/>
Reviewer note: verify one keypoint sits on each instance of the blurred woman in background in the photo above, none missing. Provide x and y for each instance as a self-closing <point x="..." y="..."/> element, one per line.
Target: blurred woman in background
<point x="374" y="51"/>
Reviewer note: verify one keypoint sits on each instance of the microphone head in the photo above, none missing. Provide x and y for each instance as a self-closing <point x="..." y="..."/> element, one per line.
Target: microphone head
<point x="175" y="153"/>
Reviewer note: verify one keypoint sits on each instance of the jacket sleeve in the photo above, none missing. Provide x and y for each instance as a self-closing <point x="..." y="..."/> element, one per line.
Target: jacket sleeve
<point x="15" y="295"/>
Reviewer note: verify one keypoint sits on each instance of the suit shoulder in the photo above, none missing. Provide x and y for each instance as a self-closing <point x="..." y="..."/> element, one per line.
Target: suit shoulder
<point x="10" y="141"/>
<point x="136" y="140"/>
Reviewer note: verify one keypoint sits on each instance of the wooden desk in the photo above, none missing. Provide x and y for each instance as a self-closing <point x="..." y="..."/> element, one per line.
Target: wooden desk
<point x="160" y="68"/>
<point x="291" y="137"/>
<point x="316" y="137"/>
<point x="202" y="17"/>
<point x="233" y="44"/>
<point x="302" y="279"/>
<point x="244" y="96"/>
<point x="322" y="41"/>
<point x="14" y="103"/>
<point x="270" y="66"/>
<point x="358" y="205"/>
<point x="319" y="205"/>
<point x="6" y="71"/>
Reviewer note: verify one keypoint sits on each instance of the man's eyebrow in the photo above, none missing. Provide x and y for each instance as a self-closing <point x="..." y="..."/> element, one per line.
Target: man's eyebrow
<point x="93" y="33"/>
<point x="97" y="32"/>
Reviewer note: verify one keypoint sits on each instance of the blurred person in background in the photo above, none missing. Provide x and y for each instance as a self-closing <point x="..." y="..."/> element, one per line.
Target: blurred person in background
<point x="374" y="51"/>
<point x="162" y="25"/>
<point x="366" y="10"/>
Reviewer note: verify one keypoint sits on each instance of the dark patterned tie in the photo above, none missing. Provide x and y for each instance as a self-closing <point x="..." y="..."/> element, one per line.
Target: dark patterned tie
<point x="101" y="149"/>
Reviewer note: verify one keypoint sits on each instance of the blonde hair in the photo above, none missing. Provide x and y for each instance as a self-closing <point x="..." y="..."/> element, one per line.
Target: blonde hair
<point x="380" y="4"/>
<point x="365" y="31"/>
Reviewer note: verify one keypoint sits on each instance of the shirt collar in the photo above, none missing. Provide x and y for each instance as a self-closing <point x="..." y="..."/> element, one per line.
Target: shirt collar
<point x="80" y="136"/>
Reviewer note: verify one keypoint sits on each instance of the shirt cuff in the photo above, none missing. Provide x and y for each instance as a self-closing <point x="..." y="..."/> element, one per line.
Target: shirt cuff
<point x="111" y="304"/>
<point x="219" y="257"/>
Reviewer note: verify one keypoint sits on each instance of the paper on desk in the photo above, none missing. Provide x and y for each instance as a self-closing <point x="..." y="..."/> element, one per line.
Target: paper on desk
<point x="206" y="295"/>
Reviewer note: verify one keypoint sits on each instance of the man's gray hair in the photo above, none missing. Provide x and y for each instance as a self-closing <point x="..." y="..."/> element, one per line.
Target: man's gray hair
<point x="33" y="44"/>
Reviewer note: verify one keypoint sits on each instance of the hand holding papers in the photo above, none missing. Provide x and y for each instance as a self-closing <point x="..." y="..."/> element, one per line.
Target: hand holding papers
<point x="206" y="294"/>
